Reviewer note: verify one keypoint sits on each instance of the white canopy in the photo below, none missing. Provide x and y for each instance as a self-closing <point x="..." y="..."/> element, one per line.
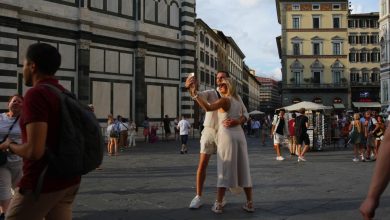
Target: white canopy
<point x="307" y="106"/>
<point x="256" y="112"/>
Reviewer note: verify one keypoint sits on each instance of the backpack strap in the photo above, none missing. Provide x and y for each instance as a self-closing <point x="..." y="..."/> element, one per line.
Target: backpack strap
<point x="219" y="95"/>
<point x="10" y="128"/>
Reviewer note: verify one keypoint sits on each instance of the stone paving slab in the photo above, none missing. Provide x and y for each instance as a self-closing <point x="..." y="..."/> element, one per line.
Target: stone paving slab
<point x="154" y="181"/>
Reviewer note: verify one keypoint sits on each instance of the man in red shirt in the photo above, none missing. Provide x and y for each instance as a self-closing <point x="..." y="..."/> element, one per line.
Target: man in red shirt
<point x="292" y="138"/>
<point x="40" y="122"/>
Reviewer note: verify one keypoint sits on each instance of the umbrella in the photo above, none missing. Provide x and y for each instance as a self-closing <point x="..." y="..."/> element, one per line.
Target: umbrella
<point x="256" y="112"/>
<point x="307" y="106"/>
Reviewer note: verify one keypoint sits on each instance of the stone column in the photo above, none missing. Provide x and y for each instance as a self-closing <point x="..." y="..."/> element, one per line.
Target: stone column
<point x="140" y="87"/>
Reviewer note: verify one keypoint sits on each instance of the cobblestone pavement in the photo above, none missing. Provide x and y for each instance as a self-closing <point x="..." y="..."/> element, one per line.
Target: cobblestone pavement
<point x="155" y="182"/>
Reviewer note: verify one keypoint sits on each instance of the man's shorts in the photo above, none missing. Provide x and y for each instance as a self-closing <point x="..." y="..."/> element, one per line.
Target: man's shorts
<point x="303" y="138"/>
<point x="207" y="141"/>
<point x="278" y="139"/>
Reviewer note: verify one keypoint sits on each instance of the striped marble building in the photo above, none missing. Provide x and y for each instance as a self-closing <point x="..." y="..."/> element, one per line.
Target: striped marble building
<point x="127" y="57"/>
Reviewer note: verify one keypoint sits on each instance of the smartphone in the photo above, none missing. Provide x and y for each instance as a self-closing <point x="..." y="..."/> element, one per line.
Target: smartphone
<point x="191" y="75"/>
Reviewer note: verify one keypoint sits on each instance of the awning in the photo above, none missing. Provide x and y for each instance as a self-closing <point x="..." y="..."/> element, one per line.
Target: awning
<point x="367" y="104"/>
<point x="338" y="106"/>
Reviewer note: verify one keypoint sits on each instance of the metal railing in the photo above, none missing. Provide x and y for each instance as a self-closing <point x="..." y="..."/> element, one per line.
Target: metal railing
<point x="376" y="83"/>
<point x="316" y="86"/>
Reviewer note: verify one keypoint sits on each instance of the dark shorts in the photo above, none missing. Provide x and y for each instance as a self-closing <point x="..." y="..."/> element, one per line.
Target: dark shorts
<point x="303" y="138"/>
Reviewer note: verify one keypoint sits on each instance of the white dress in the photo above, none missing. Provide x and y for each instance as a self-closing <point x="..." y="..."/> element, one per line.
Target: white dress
<point x="233" y="163"/>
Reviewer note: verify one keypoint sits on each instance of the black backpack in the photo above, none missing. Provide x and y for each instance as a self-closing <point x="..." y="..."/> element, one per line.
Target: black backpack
<point x="80" y="146"/>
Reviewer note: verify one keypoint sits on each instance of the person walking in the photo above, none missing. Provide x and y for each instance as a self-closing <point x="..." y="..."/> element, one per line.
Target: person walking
<point x="133" y="133"/>
<point x="355" y="135"/>
<point x="301" y="126"/>
<point x="233" y="162"/>
<point x="292" y="138"/>
<point x="146" y="126"/>
<point x="184" y="128"/>
<point x="39" y="121"/>
<point x="378" y="133"/>
<point x="369" y="126"/>
<point x="177" y="132"/>
<point x="11" y="171"/>
<point x="167" y="127"/>
<point x="124" y="128"/>
<point x="256" y="127"/>
<point x="208" y="137"/>
<point x="278" y="132"/>
<point x="113" y="132"/>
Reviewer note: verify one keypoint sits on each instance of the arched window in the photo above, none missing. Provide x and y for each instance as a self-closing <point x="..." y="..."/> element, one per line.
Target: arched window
<point x="297" y="72"/>
<point x="174" y="14"/>
<point x="162" y="12"/>
<point x="150" y="10"/>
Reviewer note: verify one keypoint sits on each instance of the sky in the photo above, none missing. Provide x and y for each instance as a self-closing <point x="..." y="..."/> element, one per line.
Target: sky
<point x="254" y="26"/>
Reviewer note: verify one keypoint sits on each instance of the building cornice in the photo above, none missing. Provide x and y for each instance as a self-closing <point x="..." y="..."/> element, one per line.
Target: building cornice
<point x="317" y="30"/>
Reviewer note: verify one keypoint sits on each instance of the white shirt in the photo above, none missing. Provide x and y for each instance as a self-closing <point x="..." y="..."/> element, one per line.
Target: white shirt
<point x="123" y="126"/>
<point x="211" y="117"/>
<point x="184" y="127"/>
<point x="15" y="133"/>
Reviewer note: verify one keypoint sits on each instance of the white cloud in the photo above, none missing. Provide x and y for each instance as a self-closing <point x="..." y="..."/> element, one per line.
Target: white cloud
<point x="357" y="9"/>
<point x="248" y="3"/>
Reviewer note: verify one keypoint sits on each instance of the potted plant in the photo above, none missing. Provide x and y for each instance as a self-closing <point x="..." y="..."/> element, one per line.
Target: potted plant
<point x="344" y="80"/>
<point x="292" y="79"/>
<point x="306" y="80"/>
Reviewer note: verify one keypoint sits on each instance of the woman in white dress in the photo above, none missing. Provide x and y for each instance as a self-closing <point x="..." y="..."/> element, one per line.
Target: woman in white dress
<point x="232" y="153"/>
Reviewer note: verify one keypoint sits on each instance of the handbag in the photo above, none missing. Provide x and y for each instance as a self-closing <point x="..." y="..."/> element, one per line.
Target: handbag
<point x="4" y="154"/>
<point x="353" y="134"/>
<point x="378" y="133"/>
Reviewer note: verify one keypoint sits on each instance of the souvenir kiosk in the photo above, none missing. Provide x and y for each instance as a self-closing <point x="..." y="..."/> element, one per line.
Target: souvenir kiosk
<point x="317" y="114"/>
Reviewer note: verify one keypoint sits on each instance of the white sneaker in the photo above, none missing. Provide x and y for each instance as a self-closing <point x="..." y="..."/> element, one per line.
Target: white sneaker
<point x="355" y="159"/>
<point x="195" y="203"/>
<point x="217" y="207"/>
<point x="301" y="159"/>
<point x="280" y="158"/>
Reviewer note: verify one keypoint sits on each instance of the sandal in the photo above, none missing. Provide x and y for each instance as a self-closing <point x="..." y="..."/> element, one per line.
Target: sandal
<point x="248" y="207"/>
<point x="217" y="207"/>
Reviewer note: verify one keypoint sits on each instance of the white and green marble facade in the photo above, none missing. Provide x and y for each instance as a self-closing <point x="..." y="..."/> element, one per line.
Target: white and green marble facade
<point x="127" y="57"/>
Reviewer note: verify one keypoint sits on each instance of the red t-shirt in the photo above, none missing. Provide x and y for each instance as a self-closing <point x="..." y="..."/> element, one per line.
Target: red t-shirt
<point x="291" y="124"/>
<point x="42" y="105"/>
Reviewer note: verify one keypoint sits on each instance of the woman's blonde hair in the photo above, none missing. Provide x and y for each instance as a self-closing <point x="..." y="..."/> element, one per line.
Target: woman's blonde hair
<point x="356" y="117"/>
<point x="231" y="87"/>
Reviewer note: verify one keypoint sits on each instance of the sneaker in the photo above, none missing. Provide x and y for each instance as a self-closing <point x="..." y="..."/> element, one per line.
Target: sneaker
<point x="248" y="207"/>
<point x="355" y="159"/>
<point x="217" y="207"/>
<point x="362" y="158"/>
<point x="223" y="203"/>
<point x="280" y="158"/>
<point x="195" y="203"/>
<point x="301" y="159"/>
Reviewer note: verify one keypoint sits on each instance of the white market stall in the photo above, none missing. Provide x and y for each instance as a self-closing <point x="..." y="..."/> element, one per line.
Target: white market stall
<point x="318" y="129"/>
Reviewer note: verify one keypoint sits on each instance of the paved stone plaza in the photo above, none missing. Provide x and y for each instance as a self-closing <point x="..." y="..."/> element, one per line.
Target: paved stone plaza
<point x="155" y="182"/>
